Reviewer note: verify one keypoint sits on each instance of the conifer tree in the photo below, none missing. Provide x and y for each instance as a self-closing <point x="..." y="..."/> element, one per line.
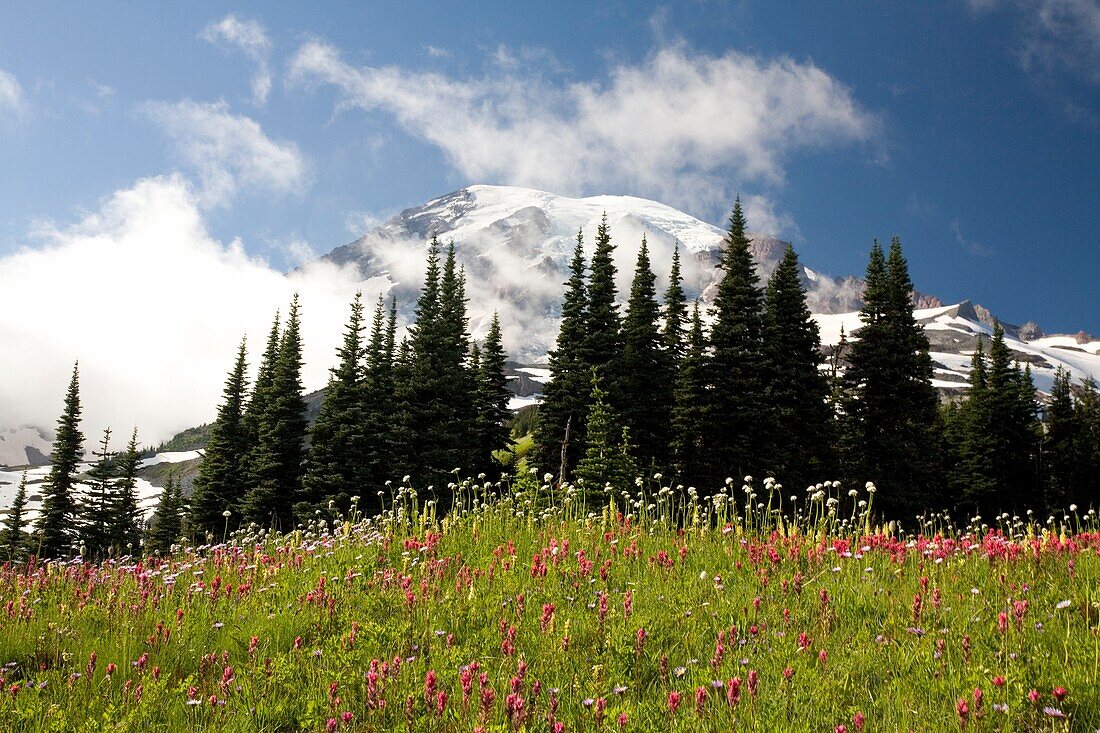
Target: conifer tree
<point x="970" y="478"/>
<point x="607" y="458"/>
<point x="1062" y="445"/>
<point x="96" y="517"/>
<point x="492" y="399"/>
<point x="603" y="338"/>
<point x="277" y="467"/>
<point x="125" y="512"/>
<point x="674" y="331"/>
<point x="219" y="486"/>
<point x="564" y="407"/>
<point x="1087" y="412"/>
<point x="166" y="526"/>
<point x="892" y="418"/>
<point x="459" y="379"/>
<point x="645" y="369"/>
<point x="691" y="407"/>
<point x="253" y="414"/>
<point x="14" y="542"/>
<point x="56" y="520"/>
<point x="339" y="451"/>
<point x="431" y="392"/>
<point x="1013" y="431"/>
<point x="382" y="454"/>
<point x="796" y="388"/>
<point x="740" y="415"/>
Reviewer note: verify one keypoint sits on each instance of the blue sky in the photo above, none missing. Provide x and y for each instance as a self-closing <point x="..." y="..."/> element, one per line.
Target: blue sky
<point x="970" y="129"/>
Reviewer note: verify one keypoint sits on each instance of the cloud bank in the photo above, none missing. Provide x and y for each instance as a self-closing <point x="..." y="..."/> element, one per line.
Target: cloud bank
<point x="153" y="308"/>
<point x="251" y="38"/>
<point x="228" y="151"/>
<point x="679" y="126"/>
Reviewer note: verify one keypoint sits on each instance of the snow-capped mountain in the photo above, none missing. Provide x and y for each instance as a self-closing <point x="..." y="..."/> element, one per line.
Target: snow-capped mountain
<point x="515" y="244"/>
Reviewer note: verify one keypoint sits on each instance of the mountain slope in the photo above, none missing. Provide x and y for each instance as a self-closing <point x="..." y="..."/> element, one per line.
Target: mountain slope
<point x="515" y="244"/>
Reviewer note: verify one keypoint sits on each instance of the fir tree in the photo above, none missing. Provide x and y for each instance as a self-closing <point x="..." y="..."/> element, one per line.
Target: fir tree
<point x="674" y="332"/>
<point x="125" y="512"/>
<point x="339" y="451"/>
<point x="740" y="415"/>
<point x="254" y="411"/>
<point x="492" y="399"/>
<point x="222" y="475"/>
<point x="893" y="432"/>
<point x="459" y="379"/>
<point x="603" y="338"/>
<point x="564" y="407"/>
<point x="166" y="526"/>
<point x="691" y="407"/>
<point x="1013" y="431"/>
<point x="277" y="467"/>
<point x="96" y="517"/>
<point x="646" y="371"/>
<point x="1062" y="445"/>
<point x="1087" y="412"/>
<point x="436" y="391"/>
<point x="56" y="520"/>
<point x="797" y="389"/>
<point x="382" y="447"/>
<point x="970" y="478"/>
<point x="607" y="459"/>
<point x="14" y="542"/>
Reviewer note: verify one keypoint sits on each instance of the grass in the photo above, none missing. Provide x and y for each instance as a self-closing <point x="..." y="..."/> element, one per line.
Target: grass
<point x="536" y="608"/>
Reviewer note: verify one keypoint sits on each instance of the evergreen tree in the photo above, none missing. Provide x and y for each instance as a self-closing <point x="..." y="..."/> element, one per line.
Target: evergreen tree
<point x="1062" y="445"/>
<point x="893" y="429"/>
<point x="970" y="477"/>
<point x="674" y="332"/>
<point x="166" y="526"/>
<point x="436" y="391"/>
<point x="254" y="411"/>
<point x="607" y="459"/>
<point x="564" y="406"/>
<point x="222" y="475"/>
<point x="382" y="454"/>
<point x="603" y="338"/>
<point x="125" y="512"/>
<point x="796" y="388"/>
<point x="278" y="464"/>
<point x="1087" y="411"/>
<point x="56" y="520"/>
<point x="96" y="517"/>
<point x="339" y="451"/>
<point x="645" y="369"/>
<point x="14" y="542"/>
<point x="1013" y="431"/>
<point x="740" y="417"/>
<point x="492" y="399"/>
<point x="459" y="382"/>
<point x="690" y="414"/>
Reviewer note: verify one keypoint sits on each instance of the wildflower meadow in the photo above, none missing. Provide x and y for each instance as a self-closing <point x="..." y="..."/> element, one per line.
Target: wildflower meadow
<point x="534" y="607"/>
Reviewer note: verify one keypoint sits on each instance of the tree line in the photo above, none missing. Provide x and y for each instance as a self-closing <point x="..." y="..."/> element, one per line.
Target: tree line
<point x="435" y="402"/>
<point x="660" y="387"/>
<point x="745" y="390"/>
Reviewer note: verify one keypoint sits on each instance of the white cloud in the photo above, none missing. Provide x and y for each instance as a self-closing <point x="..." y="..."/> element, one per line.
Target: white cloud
<point x="228" y="151"/>
<point x="251" y="38"/>
<point x="153" y="308"/>
<point x="12" y="101"/>
<point x="681" y="126"/>
<point x="1056" y="35"/>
